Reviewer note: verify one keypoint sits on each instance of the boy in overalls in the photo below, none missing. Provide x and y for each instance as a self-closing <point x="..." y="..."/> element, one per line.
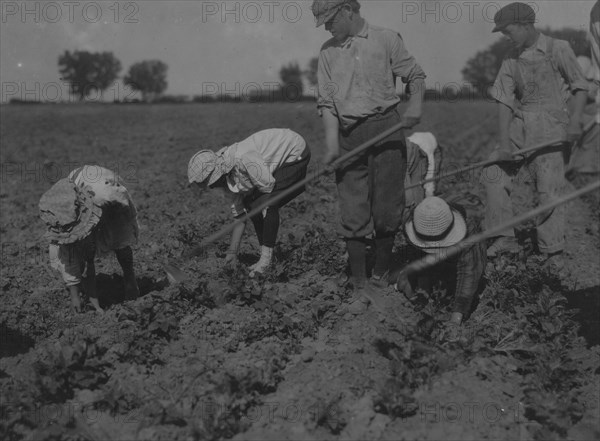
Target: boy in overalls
<point x="532" y="89"/>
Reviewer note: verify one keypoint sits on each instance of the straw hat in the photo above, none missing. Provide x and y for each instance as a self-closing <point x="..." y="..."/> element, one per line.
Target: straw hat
<point x="209" y="166"/>
<point x="434" y="225"/>
<point x="69" y="212"/>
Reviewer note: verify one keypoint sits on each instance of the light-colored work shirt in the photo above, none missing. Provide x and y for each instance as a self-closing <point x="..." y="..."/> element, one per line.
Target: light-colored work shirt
<point x="255" y="160"/>
<point x="357" y="78"/>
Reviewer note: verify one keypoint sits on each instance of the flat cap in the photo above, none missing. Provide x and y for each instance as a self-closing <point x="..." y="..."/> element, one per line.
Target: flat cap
<point x="324" y="10"/>
<point x="513" y="13"/>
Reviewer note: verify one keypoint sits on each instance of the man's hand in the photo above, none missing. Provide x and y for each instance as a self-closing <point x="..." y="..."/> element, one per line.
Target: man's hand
<point x="501" y="155"/>
<point x="331" y="156"/>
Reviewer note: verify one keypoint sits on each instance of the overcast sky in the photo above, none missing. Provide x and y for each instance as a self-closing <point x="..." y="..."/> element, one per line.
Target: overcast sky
<point x="235" y="45"/>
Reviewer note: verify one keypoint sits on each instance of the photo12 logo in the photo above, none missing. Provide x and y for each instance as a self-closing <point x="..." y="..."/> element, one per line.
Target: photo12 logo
<point x="52" y="172"/>
<point x="452" y="11"/>
<point x="69" y="11"/>
<point x="64" y="92"/>
<point x="250" y="11"/>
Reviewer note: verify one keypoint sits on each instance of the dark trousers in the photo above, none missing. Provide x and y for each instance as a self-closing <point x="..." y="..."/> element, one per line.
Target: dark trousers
<point x="266" y="224"/>
<point x="371" y="186"/>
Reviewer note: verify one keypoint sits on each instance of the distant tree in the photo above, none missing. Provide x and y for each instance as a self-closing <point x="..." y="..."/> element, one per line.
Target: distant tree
<point x="311" y="71"/>
<point x="291" y="78"/>
<point x="577" y="39"/>
<point x="86" y="71"/>
<point x="148" y="77"/>
<point x="481" y="69"/>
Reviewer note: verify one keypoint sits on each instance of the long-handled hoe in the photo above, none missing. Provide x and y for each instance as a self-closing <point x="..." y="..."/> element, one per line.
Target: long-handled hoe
<point x="176" y="275"/>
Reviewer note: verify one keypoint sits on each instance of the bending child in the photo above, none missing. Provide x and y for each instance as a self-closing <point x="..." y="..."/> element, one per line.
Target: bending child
<point x="86" y="214"/>
<point x="251" y="172"/>
<point x="433" y="226"/>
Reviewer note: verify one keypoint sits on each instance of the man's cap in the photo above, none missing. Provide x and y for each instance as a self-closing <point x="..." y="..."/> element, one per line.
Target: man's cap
<point x="513" y="13"/>
<point x="324" y="10"/>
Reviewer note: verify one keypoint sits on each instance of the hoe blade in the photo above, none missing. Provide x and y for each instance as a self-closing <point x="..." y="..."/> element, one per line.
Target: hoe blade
<point x="174" y="274"/>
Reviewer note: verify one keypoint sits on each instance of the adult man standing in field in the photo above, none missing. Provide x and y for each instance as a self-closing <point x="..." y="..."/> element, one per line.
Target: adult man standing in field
<point x="595" y="38"/>
<point x="357" y="101"/>
<point x="532" y="89"/>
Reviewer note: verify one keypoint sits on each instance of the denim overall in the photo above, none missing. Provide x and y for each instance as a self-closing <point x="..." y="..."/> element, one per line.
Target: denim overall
<point x="541" y="116"/>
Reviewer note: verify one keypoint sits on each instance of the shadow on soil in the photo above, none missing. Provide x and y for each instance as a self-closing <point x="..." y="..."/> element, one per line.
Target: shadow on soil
<point x="13" y="342"/>
<point x="111" y="289"/>
<point x="587" y="302"/>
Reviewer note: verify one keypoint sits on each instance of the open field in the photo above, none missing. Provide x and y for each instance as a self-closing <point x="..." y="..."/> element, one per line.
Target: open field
<point x="224" y="356"/>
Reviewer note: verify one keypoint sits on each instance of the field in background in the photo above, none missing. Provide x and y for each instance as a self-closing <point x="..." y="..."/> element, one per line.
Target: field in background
<point x="278" y="358"/>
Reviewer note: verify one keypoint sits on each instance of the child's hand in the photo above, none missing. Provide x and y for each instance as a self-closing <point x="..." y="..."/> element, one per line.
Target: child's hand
<point x="75" y="300"/>
<point x="231" y="260"/>
<point x="96" y="305"/>
<point x="403" y="285"/>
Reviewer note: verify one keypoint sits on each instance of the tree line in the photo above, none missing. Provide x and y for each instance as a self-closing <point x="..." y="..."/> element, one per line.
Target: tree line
<point x="90" y="72"/>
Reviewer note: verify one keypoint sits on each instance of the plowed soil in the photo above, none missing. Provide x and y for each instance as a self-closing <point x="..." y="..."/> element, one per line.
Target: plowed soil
<point x="224" y="356"/>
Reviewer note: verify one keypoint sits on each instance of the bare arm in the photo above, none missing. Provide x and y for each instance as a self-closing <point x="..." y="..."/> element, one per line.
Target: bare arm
<point x="504" y="119"/>
<point x="416" y="90"/>
<point x="234" y="244"/>
<point x="75" y="301"/>
<point x="502" y="153"/>
<point x="576" y="121"/>
<point x="332" y="141"/>
<point x="90" y="285"/>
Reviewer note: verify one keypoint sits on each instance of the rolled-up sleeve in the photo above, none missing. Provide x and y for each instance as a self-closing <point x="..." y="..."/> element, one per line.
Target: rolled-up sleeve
<point x="504" y="87"/>
<point x="569" y="67"/>
<point x="403" y="63"/>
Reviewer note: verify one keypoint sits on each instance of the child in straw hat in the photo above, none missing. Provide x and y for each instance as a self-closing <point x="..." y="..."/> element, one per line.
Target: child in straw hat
<point x="433" y="226"/>
<point x="250" y="172"/>
<point x="86" y="214"/>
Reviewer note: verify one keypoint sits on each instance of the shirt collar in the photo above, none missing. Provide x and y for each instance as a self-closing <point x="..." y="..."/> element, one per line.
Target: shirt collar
<point x="540" y="45"/>
<point x="364" y="32"/>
